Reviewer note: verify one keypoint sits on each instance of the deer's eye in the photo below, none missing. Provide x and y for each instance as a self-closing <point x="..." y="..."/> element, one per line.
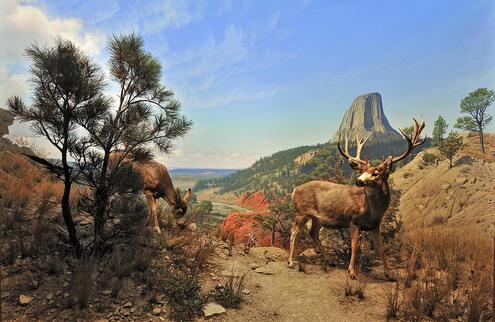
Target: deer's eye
<point x="374" y="174"/>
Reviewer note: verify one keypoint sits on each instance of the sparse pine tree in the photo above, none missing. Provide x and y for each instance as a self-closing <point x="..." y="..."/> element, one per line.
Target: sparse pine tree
<point x="439" y="130"/>
<point x="67" y="84"/>
<point x="476" y="104"/>
<point x="450" y="146"/>
<point x="408" y="130"/>
<point x="72" y="110"/>
<point x="146" y="116"/>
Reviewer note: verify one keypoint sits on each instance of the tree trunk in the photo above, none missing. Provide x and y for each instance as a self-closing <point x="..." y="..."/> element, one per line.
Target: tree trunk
<point x="482" y="144"/>
<point x="69" y="222"/>
<point x="101" y="201"/>
<point x="273" y="235"/>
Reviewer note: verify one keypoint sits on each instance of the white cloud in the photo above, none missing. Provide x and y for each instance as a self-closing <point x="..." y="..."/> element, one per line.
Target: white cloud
<point x="21" y="24"/>
<point x="11" y="84"/>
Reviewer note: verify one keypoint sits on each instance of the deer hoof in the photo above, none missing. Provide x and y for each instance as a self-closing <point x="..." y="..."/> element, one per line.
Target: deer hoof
<point x="352" y="274"/>
<point x="157" y="230"/>
<point x="290" y="265"/>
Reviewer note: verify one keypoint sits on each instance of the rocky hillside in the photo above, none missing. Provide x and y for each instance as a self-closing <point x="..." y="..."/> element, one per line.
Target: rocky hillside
<point x="365" y="115"/>
<point x="6" y="120"/>
<point x="463" y="196"/>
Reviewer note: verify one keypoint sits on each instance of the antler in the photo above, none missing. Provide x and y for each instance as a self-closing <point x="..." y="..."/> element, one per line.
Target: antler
<point x="359" y="142"/>
<point x="412" y="141"/>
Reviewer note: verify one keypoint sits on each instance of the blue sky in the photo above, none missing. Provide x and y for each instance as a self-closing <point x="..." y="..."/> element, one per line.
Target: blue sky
<point x="260" y="76"/>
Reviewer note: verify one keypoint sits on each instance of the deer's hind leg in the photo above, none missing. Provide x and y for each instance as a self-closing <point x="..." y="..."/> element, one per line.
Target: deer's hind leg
<point x="299" y="222"/>
<point x="153" y="211"/>
<point x="377" y="243"/>
<point x="314" y="233"/>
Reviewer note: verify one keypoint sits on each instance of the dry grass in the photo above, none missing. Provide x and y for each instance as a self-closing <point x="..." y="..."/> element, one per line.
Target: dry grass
<point x="448" y="276"/>
<point x="393" y="304"/>
<point x="472" y="147"/>
<point x="83" y="281"/>
<point x="231" y="294"/>
<point x="15" y="193"/>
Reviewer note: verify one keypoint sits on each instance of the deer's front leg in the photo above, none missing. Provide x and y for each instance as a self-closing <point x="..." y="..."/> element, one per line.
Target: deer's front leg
<point x="377" y="242"/>
<point x="354" y="246"/>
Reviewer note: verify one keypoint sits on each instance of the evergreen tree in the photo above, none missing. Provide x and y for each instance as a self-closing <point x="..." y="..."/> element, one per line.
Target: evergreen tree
<point x="439" y="129"/>
<point x="71" y="109"/>
<point x="450" y="146"/>
<point x="476" y="104"/>
<point x="67" y="84"/>
<point x="146" y="117"/>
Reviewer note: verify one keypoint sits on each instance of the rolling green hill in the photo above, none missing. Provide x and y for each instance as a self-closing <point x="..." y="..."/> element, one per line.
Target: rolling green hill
<point x="278" y="174"/>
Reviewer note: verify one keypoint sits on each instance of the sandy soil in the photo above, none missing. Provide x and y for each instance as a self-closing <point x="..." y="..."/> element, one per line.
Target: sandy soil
<point x="291" y="295"/>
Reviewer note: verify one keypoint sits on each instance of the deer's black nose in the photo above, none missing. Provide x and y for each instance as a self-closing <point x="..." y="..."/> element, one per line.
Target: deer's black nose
<point x="359" y="183"/>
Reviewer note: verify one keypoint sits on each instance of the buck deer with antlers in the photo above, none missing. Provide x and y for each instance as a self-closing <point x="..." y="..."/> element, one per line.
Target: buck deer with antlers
<point x="359" y="207"/>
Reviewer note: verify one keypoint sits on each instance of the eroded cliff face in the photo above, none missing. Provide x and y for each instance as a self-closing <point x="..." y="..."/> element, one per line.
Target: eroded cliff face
<point x="6" y="120"/>
<point x="366" y="115"/>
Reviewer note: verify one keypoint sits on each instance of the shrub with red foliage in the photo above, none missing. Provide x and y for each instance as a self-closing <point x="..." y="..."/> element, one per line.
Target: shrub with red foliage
<point x="253" y="200"/>
<point x="243" y="224"/>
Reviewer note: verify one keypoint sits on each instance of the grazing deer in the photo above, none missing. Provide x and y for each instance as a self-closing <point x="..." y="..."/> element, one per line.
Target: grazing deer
<point x="359" y="207"/>
<point x="156" y="184"/>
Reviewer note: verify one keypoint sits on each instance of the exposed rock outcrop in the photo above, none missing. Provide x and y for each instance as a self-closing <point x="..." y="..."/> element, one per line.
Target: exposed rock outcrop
<point x="366" y="115"/>
<point x="6" y="120"/>
<point x="304" y="158"/>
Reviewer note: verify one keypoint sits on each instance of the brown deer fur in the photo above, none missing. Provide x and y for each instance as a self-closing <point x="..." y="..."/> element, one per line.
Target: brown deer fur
<point x="156" y="184"/>
<point x="359" y="207"/>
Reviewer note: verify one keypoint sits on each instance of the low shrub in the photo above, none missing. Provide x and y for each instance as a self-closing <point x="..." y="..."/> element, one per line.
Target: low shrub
<point x="183" y="291"/>
<point x="231" y="294"/>
<point x="429" y="159"/>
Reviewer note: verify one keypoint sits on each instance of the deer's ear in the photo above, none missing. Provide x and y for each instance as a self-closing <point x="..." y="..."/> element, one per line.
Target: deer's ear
<point x="188" y="195"/>
<point x="386" y="165"/>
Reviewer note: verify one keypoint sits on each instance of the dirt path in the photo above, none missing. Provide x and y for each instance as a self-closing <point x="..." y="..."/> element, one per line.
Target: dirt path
<point x="219" y="206"/>
<point x="291" y="295"/>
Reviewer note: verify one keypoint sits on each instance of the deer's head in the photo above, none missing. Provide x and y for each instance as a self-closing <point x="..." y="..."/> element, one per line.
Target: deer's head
<point x="179" y="208"/>
<point x="378" y="174"/>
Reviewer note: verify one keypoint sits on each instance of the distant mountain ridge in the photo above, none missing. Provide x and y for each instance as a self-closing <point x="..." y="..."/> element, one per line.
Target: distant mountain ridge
<point x="365" y="115"/>
<point x="202" y="171"/>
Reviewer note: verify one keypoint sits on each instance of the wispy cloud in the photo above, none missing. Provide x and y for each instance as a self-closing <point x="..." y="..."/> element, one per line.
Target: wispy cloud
<point x="158" y="15"/>
<point x="218" y="71"/>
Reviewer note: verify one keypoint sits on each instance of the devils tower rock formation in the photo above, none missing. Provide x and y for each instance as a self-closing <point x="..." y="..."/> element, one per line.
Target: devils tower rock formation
<point x="366" y="115"/>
